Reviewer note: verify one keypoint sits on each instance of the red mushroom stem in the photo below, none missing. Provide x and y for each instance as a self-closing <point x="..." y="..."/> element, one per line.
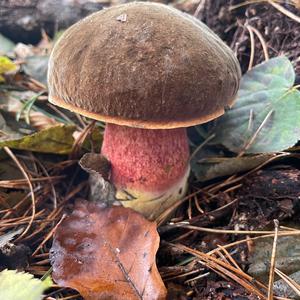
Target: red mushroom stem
<point x="149" y="166"/>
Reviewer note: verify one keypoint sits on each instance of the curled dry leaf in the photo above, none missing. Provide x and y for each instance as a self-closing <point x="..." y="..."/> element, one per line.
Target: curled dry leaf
<point x="101" y="190"/>
<point x="107" y="253"/>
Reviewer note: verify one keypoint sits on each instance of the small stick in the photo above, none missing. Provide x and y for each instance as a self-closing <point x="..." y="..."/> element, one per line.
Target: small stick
<point x="289" y="281"/>
<point x="273" y="259"/>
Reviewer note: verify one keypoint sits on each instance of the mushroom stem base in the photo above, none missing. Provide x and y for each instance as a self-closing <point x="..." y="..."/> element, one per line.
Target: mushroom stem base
<point x="153" y="205"/>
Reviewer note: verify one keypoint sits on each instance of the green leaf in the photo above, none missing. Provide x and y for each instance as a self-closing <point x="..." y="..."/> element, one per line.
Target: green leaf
<point x="21" y="286"/>
<point x="267" y="111"/>
<point x="56" y="139"/>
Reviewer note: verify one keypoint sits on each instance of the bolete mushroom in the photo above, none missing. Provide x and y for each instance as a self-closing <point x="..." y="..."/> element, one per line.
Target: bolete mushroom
<point x="148" y="71"/>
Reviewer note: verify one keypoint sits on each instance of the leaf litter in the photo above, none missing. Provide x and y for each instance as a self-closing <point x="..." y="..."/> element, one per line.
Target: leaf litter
<point x="207" y="245"/>
<point x="107" y="253"/>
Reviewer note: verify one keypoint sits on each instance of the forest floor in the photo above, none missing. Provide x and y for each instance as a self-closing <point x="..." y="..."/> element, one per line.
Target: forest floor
<point x="220" y="239"/>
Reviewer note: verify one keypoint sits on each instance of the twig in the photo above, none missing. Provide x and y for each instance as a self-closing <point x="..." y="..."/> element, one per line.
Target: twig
<point x="289" y="281"/>
<point x="223" y="231"/>
<point x="48" y="236"/>
<point x="226" y="269"/>
<point x="285" y="11"/>
<point x="285" y="233"/>
<point x="199" y="8"/>
<point x="230" y="257"/>
<point x="273" y="259"/>
<point x="197" y="277"/>
<point x="233" y="7"/>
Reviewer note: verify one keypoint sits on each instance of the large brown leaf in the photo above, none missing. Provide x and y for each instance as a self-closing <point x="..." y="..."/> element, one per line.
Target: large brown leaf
<point x="107" y="253"/>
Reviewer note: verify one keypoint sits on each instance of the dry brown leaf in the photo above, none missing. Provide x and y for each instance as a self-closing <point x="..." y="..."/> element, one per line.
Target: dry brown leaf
<point x="107" y="253"/>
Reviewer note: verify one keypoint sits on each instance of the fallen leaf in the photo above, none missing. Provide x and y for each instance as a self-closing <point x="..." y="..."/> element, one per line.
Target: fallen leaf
<point x="6" y="65"/>
<point x="101" y="190"/>
<point x="214" y="167"/>
<point x="56" y="139"/>
<point x="267" y="108"/>
<point x="107" y="253"/>
<point x="20" y="286"/>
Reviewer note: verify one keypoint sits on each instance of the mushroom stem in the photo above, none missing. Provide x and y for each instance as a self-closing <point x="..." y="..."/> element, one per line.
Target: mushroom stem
<point x="150" y="167"/>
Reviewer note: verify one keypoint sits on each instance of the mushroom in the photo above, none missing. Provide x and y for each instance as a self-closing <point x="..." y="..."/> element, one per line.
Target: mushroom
<point x="148" y="71"/>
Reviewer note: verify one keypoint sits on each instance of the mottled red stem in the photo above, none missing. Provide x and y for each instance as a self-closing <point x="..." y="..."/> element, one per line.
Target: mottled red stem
<point x="145" y="160"/>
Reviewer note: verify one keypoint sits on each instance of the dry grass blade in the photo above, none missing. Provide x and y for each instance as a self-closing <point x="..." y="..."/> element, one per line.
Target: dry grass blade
<point x="51" y="184"/>
<point x="233" y="7"/>
<point x="52" y="217"/>
<point x="230" y="257"/>
<point x="81" y="138"/>
<point x="252" y="50"/>
<point x="197" y="277"/>
<point x="289" y="281"/>
<point x="199" y="8"/>
<point x="222" y="231"/>
<point x="272" y="264"/>
<point x="284" y="11"/>
<point x="48" y="236"/>
<point x="290" y="233"/>
<point x="162" y="218"/>
<point x="228" y="270"/>
<point x="262" y="41"/>
<point x="252" y="139"/>
<point x="14" y="158"/>
<point x="22" y="183"/>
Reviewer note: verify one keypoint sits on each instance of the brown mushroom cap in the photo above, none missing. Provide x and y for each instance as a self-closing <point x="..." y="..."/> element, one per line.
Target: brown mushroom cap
<point x="143" y="65"/>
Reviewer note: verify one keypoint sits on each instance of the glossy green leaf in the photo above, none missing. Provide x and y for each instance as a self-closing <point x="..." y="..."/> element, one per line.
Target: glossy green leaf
<point x="267" y="111"/>
<point x="20" y="286"/>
